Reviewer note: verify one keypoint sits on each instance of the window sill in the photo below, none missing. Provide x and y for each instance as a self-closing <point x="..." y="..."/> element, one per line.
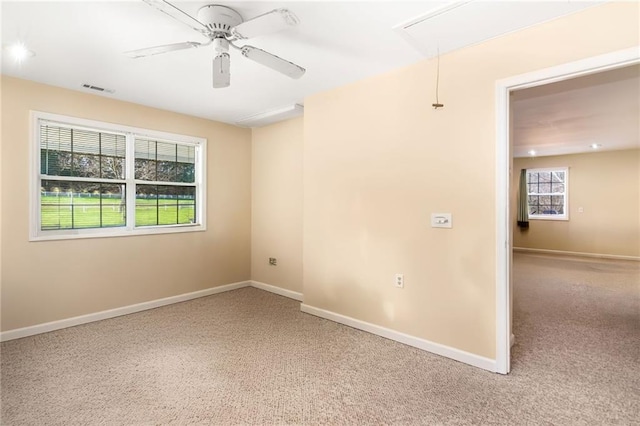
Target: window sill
<point x="553" y="218"/>
<point x="113" y="232"/>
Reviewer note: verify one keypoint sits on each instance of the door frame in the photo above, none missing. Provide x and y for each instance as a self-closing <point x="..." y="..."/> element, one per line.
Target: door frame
<point x="504" y="229"/>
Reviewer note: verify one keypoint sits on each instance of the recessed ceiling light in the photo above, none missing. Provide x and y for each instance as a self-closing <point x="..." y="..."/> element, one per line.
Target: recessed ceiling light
<point x="595" y="145"/>
<point x="19" y="52"/>
<point x="531" y="152"/>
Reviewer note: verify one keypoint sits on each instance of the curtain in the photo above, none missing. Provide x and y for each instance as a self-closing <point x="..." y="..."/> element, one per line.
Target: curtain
<point x="523" y="206"/>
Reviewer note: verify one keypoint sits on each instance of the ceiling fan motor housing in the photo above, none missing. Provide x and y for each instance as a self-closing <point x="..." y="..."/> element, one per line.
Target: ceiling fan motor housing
<point x="219" y="19"/>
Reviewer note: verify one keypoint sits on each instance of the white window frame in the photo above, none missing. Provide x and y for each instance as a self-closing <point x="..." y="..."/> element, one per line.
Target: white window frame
<point x="564" y="216"/>
<point x="35" y="178"/>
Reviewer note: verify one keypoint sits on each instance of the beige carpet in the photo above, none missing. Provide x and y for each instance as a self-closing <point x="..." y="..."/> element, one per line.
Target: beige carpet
<point x="251" y="357"/>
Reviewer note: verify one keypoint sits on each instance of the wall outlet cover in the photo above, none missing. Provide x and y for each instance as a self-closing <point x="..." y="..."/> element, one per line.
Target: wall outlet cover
<point x="399" y="281"/>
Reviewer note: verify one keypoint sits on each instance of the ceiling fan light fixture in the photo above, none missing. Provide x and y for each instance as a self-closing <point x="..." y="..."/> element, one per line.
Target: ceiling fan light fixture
<point x="272" y="61"/>
<point x="221" y="71"/>
<point x="220" y="45"/>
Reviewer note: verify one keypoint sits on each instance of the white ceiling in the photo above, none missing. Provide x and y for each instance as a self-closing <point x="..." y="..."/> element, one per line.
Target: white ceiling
<point x="337" y="42"/>
<point x="568" y="116"/>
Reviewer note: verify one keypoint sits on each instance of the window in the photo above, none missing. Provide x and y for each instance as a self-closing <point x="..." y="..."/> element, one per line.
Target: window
<point x="94" y="179"/>
<point x="548" y="193"/>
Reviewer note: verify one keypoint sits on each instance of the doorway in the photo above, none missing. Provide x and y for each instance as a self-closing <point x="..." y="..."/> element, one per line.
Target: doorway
<point x="504" y="237"/>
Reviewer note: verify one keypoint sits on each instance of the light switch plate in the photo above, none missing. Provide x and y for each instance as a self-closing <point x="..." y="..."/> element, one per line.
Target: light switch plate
<point x="441" y="220"/>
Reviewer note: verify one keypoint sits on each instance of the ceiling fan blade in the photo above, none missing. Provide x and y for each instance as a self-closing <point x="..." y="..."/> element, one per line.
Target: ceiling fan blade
<point x="156" y="50"/>
<point x="178" y="14"/>
<point x="272" y="61"/>
<point x="221" y="73"/>
<point x="268" y="23"/>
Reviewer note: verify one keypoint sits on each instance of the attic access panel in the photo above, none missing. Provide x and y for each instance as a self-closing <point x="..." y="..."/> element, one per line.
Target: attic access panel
<point x="465" y="23"/>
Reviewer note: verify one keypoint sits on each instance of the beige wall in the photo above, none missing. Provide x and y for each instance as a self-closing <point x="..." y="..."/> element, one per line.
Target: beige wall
<point x="276" y="210"/>
<point x="378" y="160"/>
<point x="607" y="187"/>
<point x="52" y="280"/>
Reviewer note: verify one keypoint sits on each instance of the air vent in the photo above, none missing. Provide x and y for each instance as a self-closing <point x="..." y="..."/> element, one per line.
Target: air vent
<point x="97" y="88"/>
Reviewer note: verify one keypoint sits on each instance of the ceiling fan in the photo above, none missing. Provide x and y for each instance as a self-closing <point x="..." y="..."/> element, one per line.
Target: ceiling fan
<point x="224" y="26"/>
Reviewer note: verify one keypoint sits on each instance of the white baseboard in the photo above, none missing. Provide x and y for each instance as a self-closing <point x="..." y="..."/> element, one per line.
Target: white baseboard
<point x="575" y="253"/>
<point x="436" y="348"/>
<point x="111" y="313"/>
<point x="277" y="290"/>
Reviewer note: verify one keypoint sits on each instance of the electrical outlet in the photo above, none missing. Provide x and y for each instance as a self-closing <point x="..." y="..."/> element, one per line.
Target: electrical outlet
<point x="399" y="281"/>
<point x="273" y="261"/>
